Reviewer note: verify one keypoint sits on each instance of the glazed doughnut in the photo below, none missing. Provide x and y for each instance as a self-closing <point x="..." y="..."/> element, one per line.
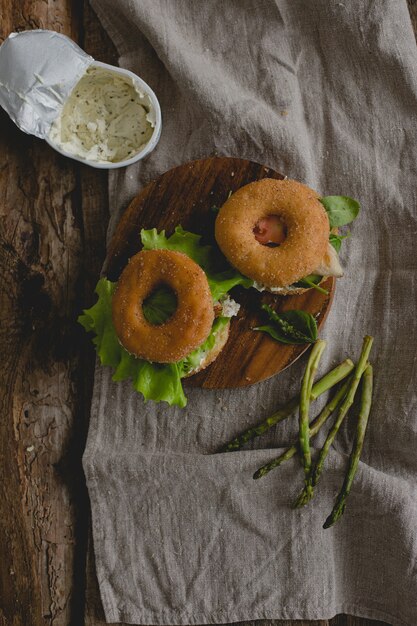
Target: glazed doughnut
<point x="306" y="225"/>
<point x="186" y="329"/>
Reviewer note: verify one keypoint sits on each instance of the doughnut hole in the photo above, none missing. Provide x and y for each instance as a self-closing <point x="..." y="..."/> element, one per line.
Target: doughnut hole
<point x="270" y="231"/>
<point x="160" y="305"/>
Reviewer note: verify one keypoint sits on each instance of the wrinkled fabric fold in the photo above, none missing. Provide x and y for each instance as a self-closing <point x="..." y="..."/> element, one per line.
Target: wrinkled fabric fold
<point x="324" y="92"/>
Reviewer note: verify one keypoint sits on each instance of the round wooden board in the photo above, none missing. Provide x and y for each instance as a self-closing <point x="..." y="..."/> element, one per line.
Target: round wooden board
<point x="185" y="195"/>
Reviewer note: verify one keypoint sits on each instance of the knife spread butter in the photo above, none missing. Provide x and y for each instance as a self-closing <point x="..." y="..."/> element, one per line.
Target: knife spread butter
<point x="106" y="118"/>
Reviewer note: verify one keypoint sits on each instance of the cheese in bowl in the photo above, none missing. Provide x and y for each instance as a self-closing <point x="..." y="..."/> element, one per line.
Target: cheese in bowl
<point x="99" y="114"/>
<point x="107" y="119"/>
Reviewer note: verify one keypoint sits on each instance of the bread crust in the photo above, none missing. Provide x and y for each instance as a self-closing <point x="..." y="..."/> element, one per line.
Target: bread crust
<point x="306" y="223"/>
<point x="192" y="320"/>
<point x="221" y="340"/>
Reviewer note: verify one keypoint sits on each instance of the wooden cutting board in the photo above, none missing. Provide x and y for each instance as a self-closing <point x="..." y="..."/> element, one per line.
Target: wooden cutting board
<point x="185" y="195"/>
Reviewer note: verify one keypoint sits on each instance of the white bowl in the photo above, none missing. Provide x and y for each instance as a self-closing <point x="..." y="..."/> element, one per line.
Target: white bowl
<point x="147" y="148"/>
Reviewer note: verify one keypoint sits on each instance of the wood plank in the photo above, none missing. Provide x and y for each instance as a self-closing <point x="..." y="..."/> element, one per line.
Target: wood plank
<point x="50" y="257"/>
<point x="39" y="248"/>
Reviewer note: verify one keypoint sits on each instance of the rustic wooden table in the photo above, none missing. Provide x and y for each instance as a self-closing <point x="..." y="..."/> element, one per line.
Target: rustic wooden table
<point x="52" y="238"/>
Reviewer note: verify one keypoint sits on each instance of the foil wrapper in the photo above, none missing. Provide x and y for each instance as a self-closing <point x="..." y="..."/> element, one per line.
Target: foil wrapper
<point x="38" y="71"/>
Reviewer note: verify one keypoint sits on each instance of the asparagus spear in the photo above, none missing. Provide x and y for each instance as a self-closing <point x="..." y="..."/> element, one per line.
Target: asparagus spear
<point x="327" y="382"/>
<point x="306" y="387"/>
<point x="366" y="401"/>
<point x="307" y="493"/>
<point x="315" y="426"/>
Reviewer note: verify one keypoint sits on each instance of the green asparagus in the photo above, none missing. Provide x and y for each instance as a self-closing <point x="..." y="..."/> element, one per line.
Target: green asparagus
<point x="315" y="426"/>
<point x="321" y="386"/>
<point x="366" y="401"/>
<point x="315" y="471"/>
<point x="306" y="387"/>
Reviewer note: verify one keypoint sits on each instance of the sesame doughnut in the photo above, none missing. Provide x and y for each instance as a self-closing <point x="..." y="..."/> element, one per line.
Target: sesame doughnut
<point x="186" y="329"/>
<point x="306" y="225"/>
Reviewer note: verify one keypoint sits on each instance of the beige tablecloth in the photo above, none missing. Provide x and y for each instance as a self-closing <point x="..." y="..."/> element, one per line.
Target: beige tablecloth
<point x="325" y="92"/>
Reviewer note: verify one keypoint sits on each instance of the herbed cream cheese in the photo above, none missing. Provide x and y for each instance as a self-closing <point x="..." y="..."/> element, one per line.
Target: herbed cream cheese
<point x="230" y="307"/>
<point x="261" y="287"/>
<point x="105" y="119"/>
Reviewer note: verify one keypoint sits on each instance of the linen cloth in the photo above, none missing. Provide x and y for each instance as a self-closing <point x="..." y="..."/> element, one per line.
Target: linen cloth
<point x="326" y="93"/>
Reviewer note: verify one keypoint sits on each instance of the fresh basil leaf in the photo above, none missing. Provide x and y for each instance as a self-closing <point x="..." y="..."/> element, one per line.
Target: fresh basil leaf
<point x="290" y="327"/>
<point x="341" y="210"/>
<point x="336" y="240"/>
<point x="311" y="281"/>
<point x="159" y="305"/>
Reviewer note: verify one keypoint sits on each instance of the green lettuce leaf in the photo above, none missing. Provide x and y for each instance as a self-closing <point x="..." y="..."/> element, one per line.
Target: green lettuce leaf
<point x="221" y="277"/>
<point x="98" y="319"/>
<point x="181" y="241"/>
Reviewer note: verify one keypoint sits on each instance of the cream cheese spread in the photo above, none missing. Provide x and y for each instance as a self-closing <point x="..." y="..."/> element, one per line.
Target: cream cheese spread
<point x="261" y="287"/>
<point x="106" y="118"/>
<point x="230" y="307"/>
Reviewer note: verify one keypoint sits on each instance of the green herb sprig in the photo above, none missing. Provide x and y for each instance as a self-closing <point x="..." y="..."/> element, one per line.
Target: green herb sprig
<point x="290" y="327"/>
<point x="312" y="281"/>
